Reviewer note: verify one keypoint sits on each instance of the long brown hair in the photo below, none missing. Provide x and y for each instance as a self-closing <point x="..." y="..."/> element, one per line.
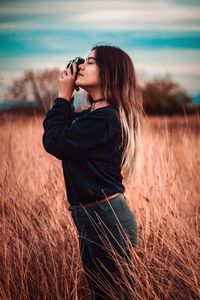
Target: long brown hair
<point x="121" y="89"/>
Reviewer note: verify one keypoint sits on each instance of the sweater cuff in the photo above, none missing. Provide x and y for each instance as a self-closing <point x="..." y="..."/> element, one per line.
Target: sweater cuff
<point x="63" y="99"/>
<point x="64" y="102"/>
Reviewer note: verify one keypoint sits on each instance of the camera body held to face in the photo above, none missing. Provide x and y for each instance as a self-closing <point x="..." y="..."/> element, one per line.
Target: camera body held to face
<point x="78" y="60"/>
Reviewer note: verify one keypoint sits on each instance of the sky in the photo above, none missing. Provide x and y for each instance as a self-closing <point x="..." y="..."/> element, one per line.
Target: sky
<point x="161" y="36"/>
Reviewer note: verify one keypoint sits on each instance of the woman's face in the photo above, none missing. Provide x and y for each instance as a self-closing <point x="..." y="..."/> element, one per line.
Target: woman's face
<point x="88" y="73"/>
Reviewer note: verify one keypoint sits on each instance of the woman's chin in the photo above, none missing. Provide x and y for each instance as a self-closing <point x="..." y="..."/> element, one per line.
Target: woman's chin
<point x="81" y="85"/>
<point x="77" y="83"/>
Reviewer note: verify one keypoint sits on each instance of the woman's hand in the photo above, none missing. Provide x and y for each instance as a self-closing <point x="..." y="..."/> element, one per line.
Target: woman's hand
<point x="66" y="83"/>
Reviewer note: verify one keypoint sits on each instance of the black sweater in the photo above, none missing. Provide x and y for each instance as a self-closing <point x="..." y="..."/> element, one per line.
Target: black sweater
<point x="87" y="144"/>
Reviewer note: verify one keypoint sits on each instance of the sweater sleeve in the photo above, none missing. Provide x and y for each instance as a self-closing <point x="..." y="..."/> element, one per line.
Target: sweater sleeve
<point x="64" y="109"/>
<point x="66" y="141"/>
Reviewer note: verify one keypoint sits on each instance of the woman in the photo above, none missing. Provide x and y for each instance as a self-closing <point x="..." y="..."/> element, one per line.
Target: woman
<point x="98" y="148"/>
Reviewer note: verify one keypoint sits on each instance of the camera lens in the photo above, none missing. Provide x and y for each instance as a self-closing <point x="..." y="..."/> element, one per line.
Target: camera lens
<point x="78" y="60"/>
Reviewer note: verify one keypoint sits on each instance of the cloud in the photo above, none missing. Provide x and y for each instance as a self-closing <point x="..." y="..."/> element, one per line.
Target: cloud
<point x="40" y="34"/>
<point x="96" y="15"/>
<point x="167" y="61"/>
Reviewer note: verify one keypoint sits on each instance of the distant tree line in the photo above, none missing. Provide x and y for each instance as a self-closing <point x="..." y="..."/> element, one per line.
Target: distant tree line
<point x="161" y="96"/>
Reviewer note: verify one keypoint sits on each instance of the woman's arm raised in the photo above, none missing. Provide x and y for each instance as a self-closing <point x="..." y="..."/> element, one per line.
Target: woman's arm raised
<point x="66" y="141"/>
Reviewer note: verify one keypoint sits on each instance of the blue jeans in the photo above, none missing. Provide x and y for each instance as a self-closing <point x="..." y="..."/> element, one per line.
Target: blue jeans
<point x="101" y="228"/>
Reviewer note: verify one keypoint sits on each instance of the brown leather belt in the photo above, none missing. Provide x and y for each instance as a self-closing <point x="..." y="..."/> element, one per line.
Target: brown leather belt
<point x="95" y="203"/>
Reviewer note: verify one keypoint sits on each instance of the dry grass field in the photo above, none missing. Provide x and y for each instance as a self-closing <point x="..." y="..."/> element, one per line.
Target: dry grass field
<point x="39" y="257"/>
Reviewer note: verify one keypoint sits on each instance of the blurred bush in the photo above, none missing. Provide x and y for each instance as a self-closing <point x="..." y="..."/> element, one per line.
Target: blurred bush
<point x="164" y="96"/>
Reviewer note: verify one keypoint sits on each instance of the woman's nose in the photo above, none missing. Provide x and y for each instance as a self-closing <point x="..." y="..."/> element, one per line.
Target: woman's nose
<point x="81" y="66"/>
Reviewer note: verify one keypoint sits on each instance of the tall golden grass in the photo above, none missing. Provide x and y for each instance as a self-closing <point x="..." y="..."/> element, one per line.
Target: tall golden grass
<point x="39" y="254"/>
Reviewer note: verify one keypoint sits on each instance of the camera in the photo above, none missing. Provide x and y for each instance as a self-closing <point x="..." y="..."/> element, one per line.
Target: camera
<point x="78" y="60"/>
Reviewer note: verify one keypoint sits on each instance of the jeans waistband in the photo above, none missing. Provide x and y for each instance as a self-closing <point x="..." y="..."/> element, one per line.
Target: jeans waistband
<point x="81" y="206"/>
